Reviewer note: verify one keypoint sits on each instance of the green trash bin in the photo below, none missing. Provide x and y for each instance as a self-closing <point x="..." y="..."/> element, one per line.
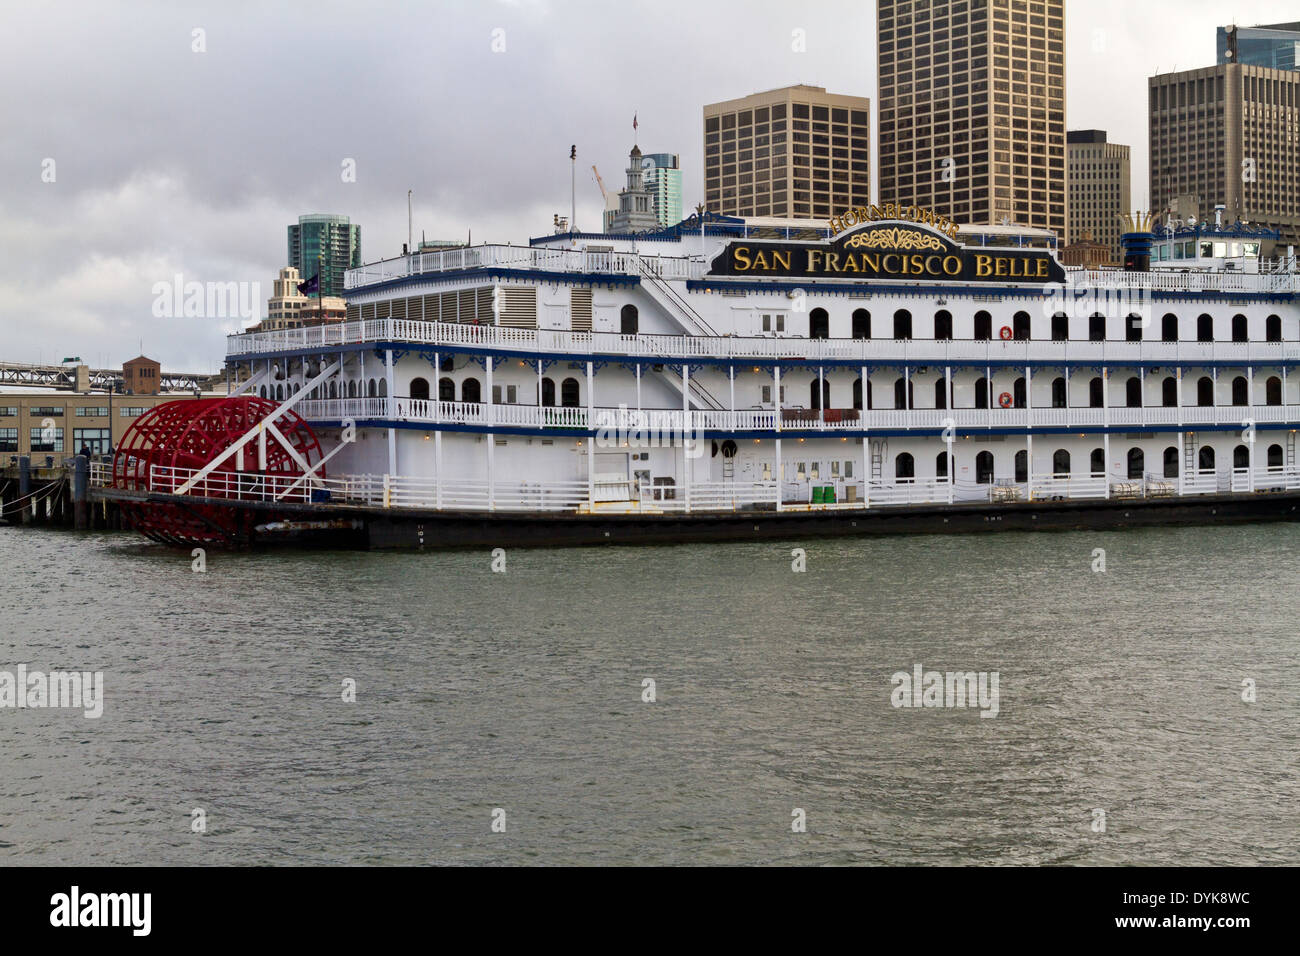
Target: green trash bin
<point x="818" y="495"/>
<point x="828" y="495"/>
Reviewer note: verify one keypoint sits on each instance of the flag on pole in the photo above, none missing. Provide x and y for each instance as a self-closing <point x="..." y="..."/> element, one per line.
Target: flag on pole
<point x="634" y="122"/>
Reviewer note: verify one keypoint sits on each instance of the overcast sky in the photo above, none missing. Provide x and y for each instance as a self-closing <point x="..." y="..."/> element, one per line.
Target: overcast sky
<point x="168" y="161"/>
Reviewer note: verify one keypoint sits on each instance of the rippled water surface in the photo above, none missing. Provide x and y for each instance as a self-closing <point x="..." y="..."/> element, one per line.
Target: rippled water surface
<point x="1119" y="691"/>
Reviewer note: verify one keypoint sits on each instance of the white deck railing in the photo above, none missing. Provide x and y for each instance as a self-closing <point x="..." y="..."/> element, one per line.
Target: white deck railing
<point x="667" y="348"/>
<point x="577" y="496"/>
<point x="661" y="420"/>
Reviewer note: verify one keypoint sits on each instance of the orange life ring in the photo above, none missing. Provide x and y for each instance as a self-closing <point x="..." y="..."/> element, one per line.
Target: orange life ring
<point x="1005" y="399"/>
<point x="1006" y="333"/>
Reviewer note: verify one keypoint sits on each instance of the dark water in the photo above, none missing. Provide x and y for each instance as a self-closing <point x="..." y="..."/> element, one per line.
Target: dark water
<point x="1118" y="691"/>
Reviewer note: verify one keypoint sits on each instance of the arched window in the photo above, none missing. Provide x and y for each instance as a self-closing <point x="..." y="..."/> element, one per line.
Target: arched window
<point x="1096" y="327"/>
<point x="279" y="391"/>
<point x="419" y="388"/>
<point x="1273" y="328"/>
<point x="819" y="397"/>
<point x="352" y="388"/>
<point x="1169" y="392"/>
<point x="984" y="467"/>
<point x="628" y="320"/>
<point x="1136" y="463"/>
<point x="857" y="393"/>
<point x="1058" y="393"/>
<point x="1133" y="328"/>
<point x="1241" y="457"/>
<point x="982" y="392"/>
<point x="1205" y="458"/>
<point x="904" y="467"/>
<point x="1273" y="391"/>
<point x="1240" y="394"/>
<point x="335" y="394"/>
<point x="569" y="393"/>
<point x="902" y="324"/>
<point x="446" y="390"/>
<point x="943" y="325"/>
<point x="1020" y="326"/>
<point x="904" y="394"/>
<point x="372" y="388"/>
<point x="941" y="469"/>
<point x="262" y="390"/>
<point x="470" y="391"/>
<point x="1171" y="462"/>
<point x="1096" y="393"/>
<point x="819" y="324"/>
<point x="1061" y="462"/>
<point x="1274" y="456"/>
<point x="861" y="324"/>
<point x="1060" y="327"/>
<point x="983" y="326"/>
<point x="1019" y="398"/>
<point x="1133" y="392"/>
<point x="548" y="392"/>
<point x="1204" y="328"/>
<point x="1169" y="328"/>
<point x="941" y="393"/>
<point x="1022" y="466"/>
<point x="1239" y="328"/>
<point x="1205" y="391"/>
<point x="383" y="388"/>
<point x="1097" y="461"/>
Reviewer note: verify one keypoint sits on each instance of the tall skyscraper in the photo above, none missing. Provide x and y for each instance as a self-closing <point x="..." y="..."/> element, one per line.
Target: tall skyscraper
<point x="663" y="180"/>
<point x="1228" y="134"/>
<point x="336" y="237"/>
<point x="794" y="153"/>
<point x="1098" y="188"/>
<point x="972" y="109"/>
<point x="1276" y="45"/>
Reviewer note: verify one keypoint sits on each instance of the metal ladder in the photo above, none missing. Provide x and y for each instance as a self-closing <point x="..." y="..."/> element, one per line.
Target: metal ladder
<point x="879" y="449"/>
<point x="1189" y="455"/>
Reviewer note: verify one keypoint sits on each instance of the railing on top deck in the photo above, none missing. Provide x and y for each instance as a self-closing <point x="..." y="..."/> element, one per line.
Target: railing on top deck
<point x="543" y="259"/>
<point x="663" y="348"/>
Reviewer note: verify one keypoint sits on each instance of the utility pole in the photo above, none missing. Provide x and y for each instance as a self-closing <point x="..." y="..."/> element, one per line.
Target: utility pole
<point x="409" y="248"/>
<point x="573" y="194"/>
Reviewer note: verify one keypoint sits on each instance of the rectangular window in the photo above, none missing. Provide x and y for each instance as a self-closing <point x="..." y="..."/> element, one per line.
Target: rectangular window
<point x="46" y="439"/>
<point x="91" y="411"/>
<point x="8" y="439"/>
<point x="46" y="411"/>
<point x="496" y="394"/>
<point x="8" y="411"/>
<point x="132" y="411"/>
<point x="96" y="439"/>
<point x="512" y="394"/>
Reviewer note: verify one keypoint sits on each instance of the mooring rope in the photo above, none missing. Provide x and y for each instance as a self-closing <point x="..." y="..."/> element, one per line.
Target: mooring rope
<point x="47" y="490"/>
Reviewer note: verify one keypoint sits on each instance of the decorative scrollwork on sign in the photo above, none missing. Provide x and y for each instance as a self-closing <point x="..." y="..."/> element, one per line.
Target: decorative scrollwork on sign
<point x="894" y="238"/>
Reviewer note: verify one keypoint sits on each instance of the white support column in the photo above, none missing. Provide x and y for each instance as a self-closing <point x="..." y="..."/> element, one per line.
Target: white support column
<point x="1029" y="463"/>
<point x="1105" y="444"/>
<point x="821" y="396"/>
<point x="1178" y="384"/>
<point x="776" y="468"/>
<point x="1029" y="395"/>
<point x="638" y="391"/>
<point x="491" y="470"/>
<point x="436" y="392"/>
<point x="952" y="466"/>
<point x="541" y="415"/>
<point x="488" y="362"/>
<point x="866" y="469"/>
<point x="1105" y="406"/>
<point x="390" y="403"/>
<point x="776" y="394"/>
<point x="731" y="374"/>
<point x="589" y="447"/>
<point x="1142" y="393"/>
<point x="948" y="402"/>
<point x="686" y="431"/>
<point x="591" y="397"/>
<point x="988" y="389"/>
<point x="437" y="466"/>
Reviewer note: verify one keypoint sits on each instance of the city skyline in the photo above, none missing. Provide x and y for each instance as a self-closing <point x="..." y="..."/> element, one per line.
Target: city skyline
<point x="155" y="180"/>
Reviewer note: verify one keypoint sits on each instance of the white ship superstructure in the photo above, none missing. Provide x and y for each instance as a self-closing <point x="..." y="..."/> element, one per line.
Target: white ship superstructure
<point x="885" y="359"/>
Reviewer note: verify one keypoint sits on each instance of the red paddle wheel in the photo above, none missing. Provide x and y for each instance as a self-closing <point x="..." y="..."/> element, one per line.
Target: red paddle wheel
<point x="170" y="443"/>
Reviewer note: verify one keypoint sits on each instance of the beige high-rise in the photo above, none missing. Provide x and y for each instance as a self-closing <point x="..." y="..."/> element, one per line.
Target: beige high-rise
<point x="794" y="153"/>
<point x="1099" y="189"/>
<point x="1229" y="134"/>
<point x="972" y="109"/>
